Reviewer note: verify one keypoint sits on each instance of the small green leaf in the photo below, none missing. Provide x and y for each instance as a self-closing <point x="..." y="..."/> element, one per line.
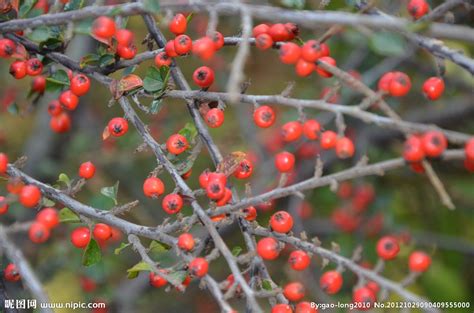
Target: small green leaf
<point x="137" y="268"/>
<point x="57" y="81"/>
<point x="152" y="6"/>
<point x="129" y="70"/>
<point x="13" y="109"/>
<point x="153" y="81"/>
<point x="83" y="27"/>
<point x="111" y="192"/>
<point x="51" y="44"/>
<point x="89" y="59"/>
<point x="63" y="178"/>
<point x="296" y="4"/>
<point x="73" y="5"/>
<point x="177" y="277"/>
<point x="26" y="7"/>
<point x="45" y="202"/>
<point x="68" y="216"/>
<point x="387" y="43"/>
<point x="189" y="131"/>
<point x="236" y="250"/>
<point x="156" y="106"/>
<point x="40" y="34"/>
<point x="157" y="247"/>
<point x="92" y="254"/>
<point x="106" y="59"/>
<point x="267" y="285"/>
<point x="123" y="246"/>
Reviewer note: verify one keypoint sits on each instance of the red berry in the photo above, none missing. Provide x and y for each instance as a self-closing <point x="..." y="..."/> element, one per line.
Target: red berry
<point x="60" y="123"/>
<point x="118" y="126"/>
<point x="250" y="213"/>
<point x="69" y="100"/>
<point x="172" y="203"/>
<point x="48" y="217"/>
<point x="3" y="163"/>
<point x="204" y="48"/>
<point x="281" y="222"/>
<point x="198" y="267"/>
<point x="3" y="207"/>
<point x="434" y="143"/>
<point x="102" y="232"/>
<point x="299" y="260"/>
<point x="419" y="261"/>
<point x="162" y="59"/>
<point x="311" y="129"/>
<point x="153" y="187"/>
<point x="204" y="179"/>
<point x="313" y="50"/>
<point x="294" y="291"/>
<point x="214" y="118"/>
<point x="156" y="280"/>
<point x="417" y="8"/>
<point x="87" y="170"/>
<point x="39" y="84"/>
<point x="177" y="144"/>
<point x="387" y="248"/>
<point x="38" y="232"/>
<point x="384" y="81"/>
<point x="326" y="60"/>
<point x="290" y="53"/>
<point x="169" y="49"/>
<point x="304" y="68"/>
<point x="292" y="131"/>
<point x="413" y="149"/>
<point x="186" y="242"/>
<point x="260" y="29"/>
<point x="331" y="282"/>
<point x="468" y="150"/>
<point x="373" y="286"/>
<point x="282" y="308"/>
<point x="34" y="67"/>
<point x="11" y="273"/>
<point x="344" y="148"/>
<point x="305" y="307"/>
<point x="284" y="161"/>
<point x="80" y="237"/>
<point x="268" y="248"/>
<point x="216" y="189"/>
<point x="103" y="27"/>
<point x="365" y="297"/>
<point x="18" y="69"/>
<point x="263" y="41"/>
<point x="203" y="76"/>
<point x="400" y="84"/>
<point x="217" y="39"/>
<point x="244" y="170"/>
<point x="124" y="37"/>
<point x="328" y="140"/>
<point x="126" y="52"/>
<point x="264" y="116"/>
<point x="7" y="47"/>
<point x="292" y="30"/>
<point x="178" y="24"/>
<point x="80" y="84"/>
<point x="433" y="88"/>
<point x="54" y="108"/>
<point x="279" y="32"/>
<point x="30" y="196"/>
<point x="183" y="44"/>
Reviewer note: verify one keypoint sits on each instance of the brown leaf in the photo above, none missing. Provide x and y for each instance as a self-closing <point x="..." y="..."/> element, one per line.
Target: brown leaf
<point x="7" y="5"/>
<point x="230" y="162"/>
<point x="105" y="133"/>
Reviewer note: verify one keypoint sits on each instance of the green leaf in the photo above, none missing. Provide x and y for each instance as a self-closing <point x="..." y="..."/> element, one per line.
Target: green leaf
<point x="189" y="131"/>
<point x="106" y="59"/>
<point x="123" y="246"/>
<point x="51" y="43"/>
<point x="68" y="216"/>
<point x="137" y="268"/>
<point x="157" y="247"/>
<point x="267" y="285"/>
<point x="111" y="192"/>
<point x="26" y="7"/>
<point x="178" y="277"/>
<point x="45" y="202"/>
<point x="13" y="109"/>
<point x="296" y="4"/>
<point x="236" y="251"/>
<point x="63" y="178"/>
<point x="92" y="254"/>
<point x="129" y="70"/>
<point x="83" y="27"/>
<point x="57" y="81"/>
<point x="40" y="34"/>
<point x="156" y="106"/>
<point x="89" y="59"/>
<point x="153" y="81"/>
<point x="152" y="6"/>
<point x="73" y="5"/>
<point x="387" y="43"/>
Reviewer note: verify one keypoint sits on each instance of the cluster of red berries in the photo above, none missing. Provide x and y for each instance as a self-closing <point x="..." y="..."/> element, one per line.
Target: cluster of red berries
<point x="81" y="236"/>
<point x="418" y="8"/>
<point x="356" y="201"/>
<point x="198" y="268"/>
<point x="398" y="84"/>
<point x="104" y="30"/>
<point x="431" y="144"/>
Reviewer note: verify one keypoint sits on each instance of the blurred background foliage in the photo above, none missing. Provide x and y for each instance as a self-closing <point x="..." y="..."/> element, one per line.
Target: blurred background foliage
<point x="405" y="202"/>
